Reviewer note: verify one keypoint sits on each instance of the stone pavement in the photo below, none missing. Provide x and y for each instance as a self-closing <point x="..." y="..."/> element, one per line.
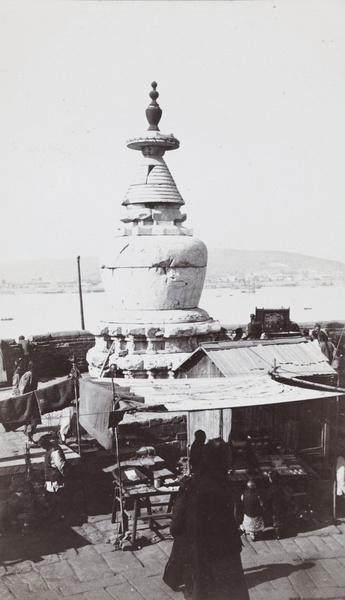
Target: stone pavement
<point x="73" y="561"/>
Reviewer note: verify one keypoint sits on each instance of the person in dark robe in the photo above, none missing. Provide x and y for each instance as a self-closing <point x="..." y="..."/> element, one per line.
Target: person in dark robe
<point x="238" y="334"/>
<point x="196" y="450"/>
<point x="212" y="534"/>
<point x="178" y="571"/>
<point x="254" y="329"/>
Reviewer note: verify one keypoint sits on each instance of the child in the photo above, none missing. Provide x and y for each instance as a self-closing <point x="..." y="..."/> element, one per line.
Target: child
<point x="253" y="521"/>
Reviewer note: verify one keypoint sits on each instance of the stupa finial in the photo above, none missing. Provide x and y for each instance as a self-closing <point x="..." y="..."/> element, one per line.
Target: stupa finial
<point x="153" y="111"/>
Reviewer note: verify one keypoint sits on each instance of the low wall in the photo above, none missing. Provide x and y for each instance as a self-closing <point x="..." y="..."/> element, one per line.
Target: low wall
<point x="51" y="353"/>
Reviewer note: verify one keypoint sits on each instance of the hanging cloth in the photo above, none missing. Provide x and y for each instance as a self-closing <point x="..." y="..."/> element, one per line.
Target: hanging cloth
<point x="19" y="410"/>
<point x="56" y="396"/>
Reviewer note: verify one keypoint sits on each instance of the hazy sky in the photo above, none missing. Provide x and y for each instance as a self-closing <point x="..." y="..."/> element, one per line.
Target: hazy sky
<point x="254" y="90"/>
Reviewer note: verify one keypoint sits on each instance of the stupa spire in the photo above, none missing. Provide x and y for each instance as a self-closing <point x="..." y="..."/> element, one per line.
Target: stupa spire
<point x="153" y="111"/>
<point x="153" y="142"/>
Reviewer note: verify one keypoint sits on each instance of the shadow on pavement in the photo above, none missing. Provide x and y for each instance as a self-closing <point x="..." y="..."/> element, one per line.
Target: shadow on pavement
<point x="50" y="538"/>
<point x="256" y="575"/>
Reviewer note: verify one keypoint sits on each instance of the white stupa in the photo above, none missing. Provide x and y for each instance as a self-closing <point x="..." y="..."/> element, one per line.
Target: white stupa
<point x="155" y="272"/>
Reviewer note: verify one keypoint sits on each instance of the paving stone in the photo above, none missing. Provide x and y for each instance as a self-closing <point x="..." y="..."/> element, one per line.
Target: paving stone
<point x="121" y="562"/>
<point x="125" y="591"/>
<point x="97" y="538"/>
<point x="66" y="554"/>
<point x="279" y="595"/>
<point x="90" y="565"/>
<point x="160" y="583"/>
<point x="148" y="589"/>
<point x="306" y="545"/>
<point x="166" y="546"/>
<point x="320" y="576"/>
<point x="332" y="542"/>
<point x="45" y="595"/>
<point x="326" y="594"/>
<point x="152" y="558"/>
<point x="56" y="573"/>
<point x="340" y="539"/>
<point x="320" y="544"/>
<point x="289" y="545"/>
<point x="275" y="546"/>
<point x="70" y="588"/>
<point x="106" y="526"/>
<point x="5" y="593"/>
<point x="335" y="568"/>
<point x="16" y="585"/>
<point x="97" y="595"/>
<point x="102" y="548"/>
<point x="301" y="580"/>
<point x="265" y="586"/>
<point x="34" y="580"/>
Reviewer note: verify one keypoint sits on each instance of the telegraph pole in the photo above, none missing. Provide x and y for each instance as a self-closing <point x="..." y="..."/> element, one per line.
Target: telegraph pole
<point x="80" y="296"/>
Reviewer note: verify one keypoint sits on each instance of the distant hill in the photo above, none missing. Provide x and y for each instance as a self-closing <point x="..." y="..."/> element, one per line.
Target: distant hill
<point x="221" y="262"/>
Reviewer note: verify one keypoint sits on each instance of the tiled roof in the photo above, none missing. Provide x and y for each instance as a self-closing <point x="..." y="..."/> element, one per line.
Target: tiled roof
<point x="259" y="357"/>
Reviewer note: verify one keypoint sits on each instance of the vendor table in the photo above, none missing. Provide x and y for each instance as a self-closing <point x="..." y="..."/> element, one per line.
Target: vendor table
<point x="141" y="496"/>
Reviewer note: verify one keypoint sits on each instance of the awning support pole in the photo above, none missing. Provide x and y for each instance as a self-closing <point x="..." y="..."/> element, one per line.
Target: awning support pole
<point x="116" y="437"/>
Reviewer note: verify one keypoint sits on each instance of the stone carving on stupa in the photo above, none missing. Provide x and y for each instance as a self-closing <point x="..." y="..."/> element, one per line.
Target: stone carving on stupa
<point x="154" y="275"/>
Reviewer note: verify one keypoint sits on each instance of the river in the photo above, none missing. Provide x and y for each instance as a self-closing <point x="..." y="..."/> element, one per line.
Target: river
<point x="33" y="314"/>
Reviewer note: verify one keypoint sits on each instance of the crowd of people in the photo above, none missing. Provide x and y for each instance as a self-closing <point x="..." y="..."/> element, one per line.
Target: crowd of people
<point x="330" y="343"/>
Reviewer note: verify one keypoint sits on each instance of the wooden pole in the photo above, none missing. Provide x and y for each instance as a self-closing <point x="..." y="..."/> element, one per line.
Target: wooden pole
<point x="116" y="437"/>
<point x="75" y="374"/>
<point x="80" y="296"/>
<point x="106" y="360"/>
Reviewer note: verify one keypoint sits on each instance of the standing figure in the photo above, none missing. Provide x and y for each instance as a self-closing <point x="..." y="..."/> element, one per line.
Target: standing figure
<point x="54" y="466"/>
<point x="28" y="383"/>
<point x="339" y="473"/>
<point x="326" y="347"/>
<point x="196" y="450"/>
<point x="275" y="504"/>
<point x="17" y="373"/>
<point x="3" y="370"/>
<point x="254" y="329"/>
<point x="212" y="533"/>
<point x="238" y="334"/>
<point x="253" y="521"/>
<point x="26" y="350"/>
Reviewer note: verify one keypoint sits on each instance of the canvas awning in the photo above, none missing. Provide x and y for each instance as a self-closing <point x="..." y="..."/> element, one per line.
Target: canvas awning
<point x="184" y="395"/>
